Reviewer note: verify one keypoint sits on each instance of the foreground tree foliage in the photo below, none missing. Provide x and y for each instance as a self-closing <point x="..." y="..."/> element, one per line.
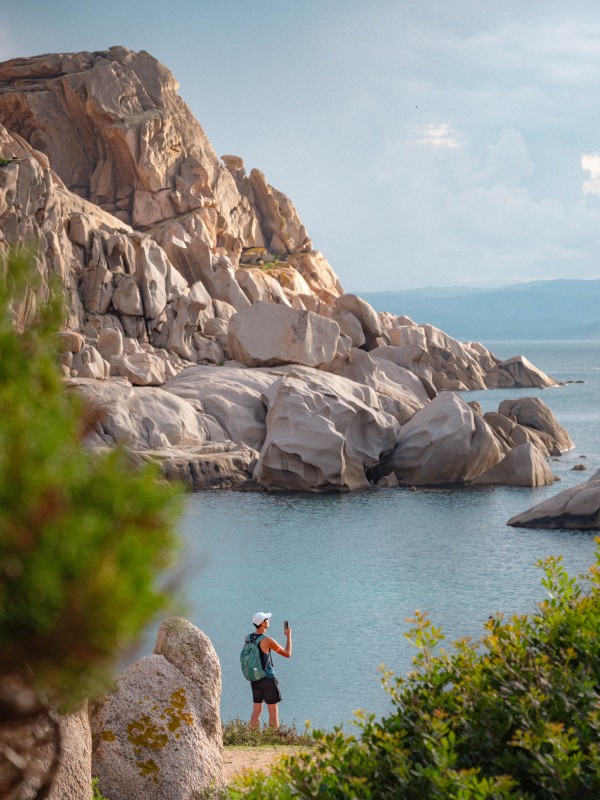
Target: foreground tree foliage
<point x="516" y="715"/>
<point x="82" y="538"/>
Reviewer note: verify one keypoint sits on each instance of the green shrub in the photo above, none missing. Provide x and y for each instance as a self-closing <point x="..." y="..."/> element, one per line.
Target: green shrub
<point x="82" y="537"/>
<point x="514" y="716"/>
<point x="238" y="732"/>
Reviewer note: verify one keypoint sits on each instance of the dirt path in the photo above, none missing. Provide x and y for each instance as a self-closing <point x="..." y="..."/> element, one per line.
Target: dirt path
<point x="239" y="759"/>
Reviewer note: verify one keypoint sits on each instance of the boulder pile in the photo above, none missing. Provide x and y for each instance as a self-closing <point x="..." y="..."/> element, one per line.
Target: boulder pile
<point x="202" y="322"/>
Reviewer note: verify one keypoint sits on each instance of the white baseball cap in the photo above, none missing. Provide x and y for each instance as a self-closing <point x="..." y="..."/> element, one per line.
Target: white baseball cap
<point x="260" y="617"/>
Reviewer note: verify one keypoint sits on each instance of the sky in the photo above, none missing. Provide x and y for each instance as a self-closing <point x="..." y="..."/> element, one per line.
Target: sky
<point x="423" y="143"/>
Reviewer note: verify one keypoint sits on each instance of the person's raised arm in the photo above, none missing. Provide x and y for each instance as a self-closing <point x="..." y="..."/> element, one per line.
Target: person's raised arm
<point x="285" y="652"/>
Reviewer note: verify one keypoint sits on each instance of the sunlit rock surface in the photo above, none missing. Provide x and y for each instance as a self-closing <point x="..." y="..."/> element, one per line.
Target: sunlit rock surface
<point x="174" y="260"/>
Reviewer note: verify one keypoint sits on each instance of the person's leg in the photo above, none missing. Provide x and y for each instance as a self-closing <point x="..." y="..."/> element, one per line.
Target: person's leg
<point x="256" y="712"/>
<point x="273" y="715"/>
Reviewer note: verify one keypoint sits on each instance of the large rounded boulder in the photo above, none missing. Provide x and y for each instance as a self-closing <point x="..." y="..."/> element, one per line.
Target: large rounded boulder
<point x="523" y="466"/>
<point x="268" y="335"/>
<point x="444" y="443"/>
<point x="323" y="433"/>
<point x="532" y="413"/>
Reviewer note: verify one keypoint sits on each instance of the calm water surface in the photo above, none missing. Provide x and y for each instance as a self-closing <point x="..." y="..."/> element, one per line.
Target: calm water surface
<point x="346" y="570"/>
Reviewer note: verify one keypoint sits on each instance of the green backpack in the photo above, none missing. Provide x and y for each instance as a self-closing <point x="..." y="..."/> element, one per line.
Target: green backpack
<point x="250" y="659"/>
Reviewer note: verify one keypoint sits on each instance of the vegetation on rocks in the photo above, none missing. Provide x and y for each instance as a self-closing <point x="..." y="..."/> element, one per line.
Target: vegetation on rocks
<point x="82" y="538"/>
<point x="515" y="716"/>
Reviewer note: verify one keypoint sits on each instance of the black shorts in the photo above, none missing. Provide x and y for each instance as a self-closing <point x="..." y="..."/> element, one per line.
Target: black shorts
<point x="266" y="690"/>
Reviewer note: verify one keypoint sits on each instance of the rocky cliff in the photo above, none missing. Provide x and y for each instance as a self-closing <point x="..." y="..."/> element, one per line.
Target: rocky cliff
<point x="201" y="321"/>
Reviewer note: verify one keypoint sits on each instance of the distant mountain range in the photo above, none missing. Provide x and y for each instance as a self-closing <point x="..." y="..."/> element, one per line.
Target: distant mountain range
<point x="557" y="309"/>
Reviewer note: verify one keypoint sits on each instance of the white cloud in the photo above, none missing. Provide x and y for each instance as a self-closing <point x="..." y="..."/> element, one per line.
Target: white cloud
<point x="473" y="214"/>
<point x="440" y="135"/>
<point x="590" y="162"/>
<point x="507" y="161"/>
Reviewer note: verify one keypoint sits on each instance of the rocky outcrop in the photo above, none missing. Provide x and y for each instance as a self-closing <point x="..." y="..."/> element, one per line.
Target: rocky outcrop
<point x="323" y="433"/>
<point x="459" y="366"/>
<point x="444" y="443"/>
<point x="231" y="395"/>
<point x="283" y="232"/>
<point x="360" y="310"/>
<point x="173" y="260"/>
<point x="518" y="371"/>
<point x="159" y="733"/>
<point x="576" y="508"/>
<point x="532" y="413"/>
<point x="523" y="466"/>
<point x="154" y="425"/>
<point x="267" y="335"/>
<point x="401" y="393"/>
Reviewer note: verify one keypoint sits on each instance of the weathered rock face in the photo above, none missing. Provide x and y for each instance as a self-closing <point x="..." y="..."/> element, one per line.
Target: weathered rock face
<point x="145" y="418"/>
<point x="115" y="131"/>
<point x="323" y="433"/>
<point x="188" y="444"/>
<point x="366" y="316"/>
<point x="456" y="366"/>
<point x="171" y="257"/>
<point x="444" y="443"/>
<point x="159" y="733"/>
<point x="45" y="751"/>
<point x="231" y="395"/>
<point x="401" y="393"/>
<point x="74" y="775"/>
<point x="283" y="232"/>
<point x="518" y="371"/>
<point x="267" y="335"/>
<point x="577" y="508"/>
<point x="523" y="466"/>
<point x="411" y="357"/>
<point x="534" y="414"/>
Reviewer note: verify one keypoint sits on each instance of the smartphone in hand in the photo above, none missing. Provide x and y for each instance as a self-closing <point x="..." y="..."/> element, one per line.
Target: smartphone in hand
<point x="285" y="625"/>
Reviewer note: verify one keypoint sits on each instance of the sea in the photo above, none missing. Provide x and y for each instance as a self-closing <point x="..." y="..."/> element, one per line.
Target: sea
<point x="349" y="570"/>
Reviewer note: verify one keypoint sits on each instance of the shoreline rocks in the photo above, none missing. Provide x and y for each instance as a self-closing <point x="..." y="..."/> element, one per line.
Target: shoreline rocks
<point x="177" y="264"/>
<point x="576" y="508"/>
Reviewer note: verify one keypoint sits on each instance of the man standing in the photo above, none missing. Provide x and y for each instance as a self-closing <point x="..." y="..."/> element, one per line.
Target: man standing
<point x="267" y="689"/>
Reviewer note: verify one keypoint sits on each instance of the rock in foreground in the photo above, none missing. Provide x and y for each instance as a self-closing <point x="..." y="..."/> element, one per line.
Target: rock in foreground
<point x="159" y="734"/>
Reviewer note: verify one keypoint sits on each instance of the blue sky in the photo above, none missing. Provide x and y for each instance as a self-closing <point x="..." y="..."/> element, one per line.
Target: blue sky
<point x="423" y="143"/>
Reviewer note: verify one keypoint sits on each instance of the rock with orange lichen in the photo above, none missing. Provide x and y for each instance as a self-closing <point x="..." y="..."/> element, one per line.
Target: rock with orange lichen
<point x="159" y="733"/>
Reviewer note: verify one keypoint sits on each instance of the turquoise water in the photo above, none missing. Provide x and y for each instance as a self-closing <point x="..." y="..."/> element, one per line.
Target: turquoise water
<point x="346" y="570"/>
